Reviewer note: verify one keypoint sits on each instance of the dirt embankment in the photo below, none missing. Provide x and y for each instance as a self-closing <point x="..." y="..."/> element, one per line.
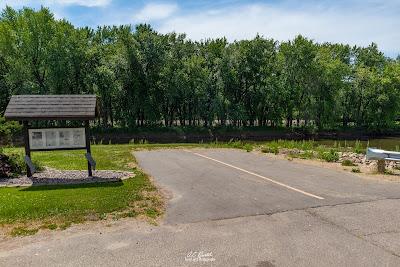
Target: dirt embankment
<point x="245" y="135"/>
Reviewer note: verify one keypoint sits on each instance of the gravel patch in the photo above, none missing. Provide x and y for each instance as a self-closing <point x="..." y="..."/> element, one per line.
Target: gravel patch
<point x="55" y="177"/>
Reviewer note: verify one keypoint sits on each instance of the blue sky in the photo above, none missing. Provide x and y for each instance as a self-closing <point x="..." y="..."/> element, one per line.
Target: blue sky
<point x="356" y="22"/>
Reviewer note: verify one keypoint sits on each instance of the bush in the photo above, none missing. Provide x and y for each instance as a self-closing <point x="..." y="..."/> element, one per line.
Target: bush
<point x="10" y="165"/>
<point x="8" y="129"/>
<point x="329" y="156"/>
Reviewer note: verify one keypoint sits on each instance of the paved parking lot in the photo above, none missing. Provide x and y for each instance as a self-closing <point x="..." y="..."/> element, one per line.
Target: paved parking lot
<point x="212" y="184"/>
<point x="239" y="209"/>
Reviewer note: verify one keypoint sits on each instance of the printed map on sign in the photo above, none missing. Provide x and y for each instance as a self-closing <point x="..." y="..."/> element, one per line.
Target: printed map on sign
<point x="56" y="138"/>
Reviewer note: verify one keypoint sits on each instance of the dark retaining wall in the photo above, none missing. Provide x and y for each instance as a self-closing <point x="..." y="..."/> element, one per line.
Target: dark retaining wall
<point x="210" y="136"/>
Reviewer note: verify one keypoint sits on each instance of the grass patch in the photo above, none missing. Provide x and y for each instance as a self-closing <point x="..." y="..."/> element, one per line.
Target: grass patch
<point x="308" y="154"/>
<point x="388" y="172"/>
<point x="329" y="156"/>
<point x="59" y="206"/>
<point x="305" y="149"/>
<point x="273" y="150"/>
<point x="23" y="231"/>
<point x="348" y="163"/>
<point x="355" y="170"/>
<point x="50" y="226"/>
<point x="68" y="204"/>
<point x="108" y="157"/>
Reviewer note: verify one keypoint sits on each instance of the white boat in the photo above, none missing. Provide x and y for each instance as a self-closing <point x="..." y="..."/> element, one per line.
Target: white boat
<point x="380" y="154"/>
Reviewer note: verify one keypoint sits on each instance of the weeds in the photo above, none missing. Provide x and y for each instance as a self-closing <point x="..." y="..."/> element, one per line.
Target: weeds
<point x="348" y="162"/>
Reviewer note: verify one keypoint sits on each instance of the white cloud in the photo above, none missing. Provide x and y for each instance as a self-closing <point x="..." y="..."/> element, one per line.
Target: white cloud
<point x="87" y="3"/>
<point x="321" y="24"/>
<point x="155" y="11"/>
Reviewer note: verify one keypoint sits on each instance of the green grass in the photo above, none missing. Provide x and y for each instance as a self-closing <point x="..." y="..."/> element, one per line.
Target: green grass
<point x="348" y="162"/>
<point x="305" y="149"/>
<point x="23" y="231"/>
<point x="73" y="203"/>
<point x="107" y="157"/>
<point x="28" y="209"/>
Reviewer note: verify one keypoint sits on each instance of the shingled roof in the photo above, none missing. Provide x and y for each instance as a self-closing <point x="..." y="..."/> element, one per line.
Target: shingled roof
<point x="51" y="107"/>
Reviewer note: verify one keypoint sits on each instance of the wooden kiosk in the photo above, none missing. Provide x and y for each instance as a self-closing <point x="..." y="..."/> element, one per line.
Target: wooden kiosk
<point x="28" y="108"/>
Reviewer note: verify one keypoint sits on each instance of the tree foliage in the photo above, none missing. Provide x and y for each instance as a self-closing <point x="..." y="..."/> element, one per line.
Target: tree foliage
<point x="143" y="77"/>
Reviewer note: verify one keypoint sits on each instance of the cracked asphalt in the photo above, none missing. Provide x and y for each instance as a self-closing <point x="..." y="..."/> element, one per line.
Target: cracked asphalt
<point x="232" y="208"/>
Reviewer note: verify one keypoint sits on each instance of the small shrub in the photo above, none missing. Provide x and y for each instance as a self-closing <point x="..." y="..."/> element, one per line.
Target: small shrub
<point x="11" y="165"/>
<point x="348" y="162"/>
<point x="248" y="147"/>
<point x="329" y="156"/>
<point x="236" y="144"/>
<point x="358" y="147"/>
<point x="308" y="154"/>
<point x="355" y="170"/>
<point x="152" y="213"/>
<point x="274" y="150"/>
<point x="389" y="172"/>
<point x="8" y="129"/>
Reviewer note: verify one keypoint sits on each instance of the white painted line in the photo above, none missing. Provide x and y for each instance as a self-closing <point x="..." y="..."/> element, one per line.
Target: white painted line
<point x="258" y="175"/>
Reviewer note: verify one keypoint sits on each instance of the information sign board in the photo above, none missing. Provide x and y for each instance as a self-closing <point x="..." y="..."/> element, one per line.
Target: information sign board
<point x="57" y="138"/>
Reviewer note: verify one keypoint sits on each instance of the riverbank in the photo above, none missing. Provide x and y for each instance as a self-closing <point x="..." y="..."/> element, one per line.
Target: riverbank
<point x="387" y="139"/>
<point x="345" y="158"/>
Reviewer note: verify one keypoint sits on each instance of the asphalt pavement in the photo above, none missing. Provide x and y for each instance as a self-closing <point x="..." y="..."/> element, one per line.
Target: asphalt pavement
<point x="232" y="208"/>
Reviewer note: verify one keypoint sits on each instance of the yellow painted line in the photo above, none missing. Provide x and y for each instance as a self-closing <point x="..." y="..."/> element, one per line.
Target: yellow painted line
<point x="257" y="175"/>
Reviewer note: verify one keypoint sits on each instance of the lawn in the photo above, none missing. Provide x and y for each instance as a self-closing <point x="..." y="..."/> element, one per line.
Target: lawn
<point x="27" y="209"/>
<point x="107" y="157"/>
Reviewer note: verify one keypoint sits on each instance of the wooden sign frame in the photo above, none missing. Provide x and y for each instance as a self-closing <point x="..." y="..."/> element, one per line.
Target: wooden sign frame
<point x="28" y="148"/>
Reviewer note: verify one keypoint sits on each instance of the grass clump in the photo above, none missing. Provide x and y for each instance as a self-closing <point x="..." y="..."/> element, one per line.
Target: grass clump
<point x="355" y="170"/>
<point x="274" y="150"/>
<point x="330" y="156"/>
<point x="388" y="172"/>
<point x="23" y="231"/>
<point x="50" y="226"/>
<point x="248" y="147"/>
<point x="348" y="163"/>
<point x="290" y="144"/>
<point x="308" y="154"/>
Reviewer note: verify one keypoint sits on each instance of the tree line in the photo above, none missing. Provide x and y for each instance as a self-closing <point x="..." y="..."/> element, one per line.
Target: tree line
<point x="143" y="77"/>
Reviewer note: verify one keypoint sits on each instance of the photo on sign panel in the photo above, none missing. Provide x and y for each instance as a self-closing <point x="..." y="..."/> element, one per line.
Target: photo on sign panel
<point x="65" y="137"/>
<point x="37" y="139"/>
<point x="78" y="137"/>
<point x="51" y="139"/>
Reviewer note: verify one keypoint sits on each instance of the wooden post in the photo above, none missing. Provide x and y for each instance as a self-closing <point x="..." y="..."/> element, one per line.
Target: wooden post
<point x="381" y="166"/>
<point x="27" y="147"/>
<point x="87" y="135"/>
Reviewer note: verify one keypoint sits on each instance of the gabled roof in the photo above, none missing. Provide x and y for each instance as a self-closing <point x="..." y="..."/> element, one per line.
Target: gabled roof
<point x="51" y="107"/>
